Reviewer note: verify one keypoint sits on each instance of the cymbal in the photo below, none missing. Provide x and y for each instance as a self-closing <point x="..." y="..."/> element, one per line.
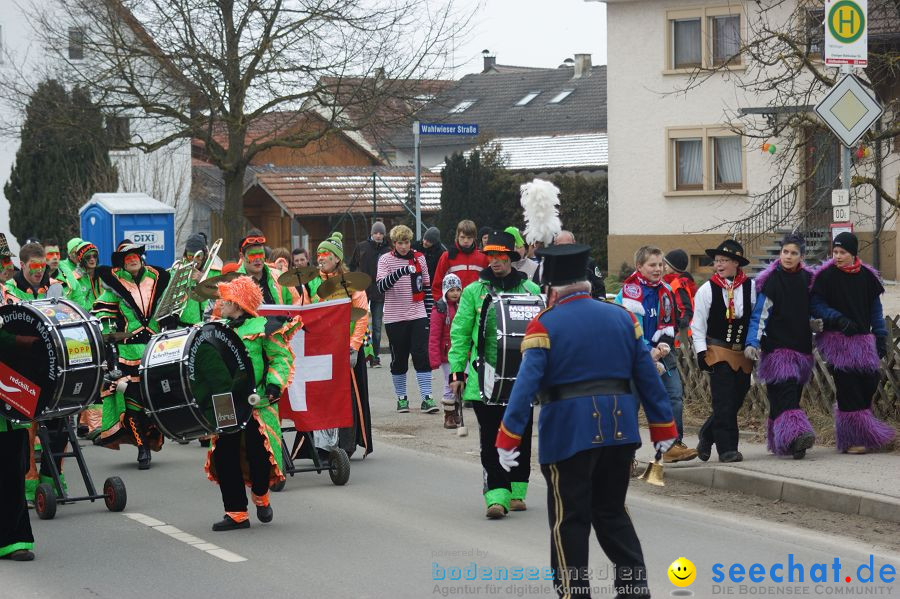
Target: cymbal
<point x="351" y="281"/>
<point x="298" y="276"/>
<point x="357" y="313"/>
<point x="208" y="289"/>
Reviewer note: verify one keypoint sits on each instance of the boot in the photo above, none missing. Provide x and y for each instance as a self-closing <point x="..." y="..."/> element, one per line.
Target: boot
<point x="143" y="458"/>
<point x="450" y="420"/>
<point x="679" y="452"/>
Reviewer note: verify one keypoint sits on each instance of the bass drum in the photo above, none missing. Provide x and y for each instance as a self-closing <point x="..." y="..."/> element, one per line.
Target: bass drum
<point x="197" y="381"/>
<point x="51" y="352"/>
<point x="504" y="318"/>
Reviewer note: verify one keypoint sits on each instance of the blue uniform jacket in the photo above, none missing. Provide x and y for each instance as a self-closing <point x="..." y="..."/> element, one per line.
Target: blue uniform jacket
<point x="583" y="340"/>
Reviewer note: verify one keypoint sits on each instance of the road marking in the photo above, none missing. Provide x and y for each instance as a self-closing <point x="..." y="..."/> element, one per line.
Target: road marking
<point x="187" y="538"/>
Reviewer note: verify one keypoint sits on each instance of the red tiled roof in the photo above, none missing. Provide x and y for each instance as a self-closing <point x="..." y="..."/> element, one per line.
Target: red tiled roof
<point x="329" y="191"/>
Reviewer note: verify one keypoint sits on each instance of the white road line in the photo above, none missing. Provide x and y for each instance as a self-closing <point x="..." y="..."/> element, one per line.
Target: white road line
<point x="187" y="538"/>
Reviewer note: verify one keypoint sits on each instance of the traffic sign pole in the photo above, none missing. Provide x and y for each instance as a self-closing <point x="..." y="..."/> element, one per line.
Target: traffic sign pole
<point x="416" y="161"/>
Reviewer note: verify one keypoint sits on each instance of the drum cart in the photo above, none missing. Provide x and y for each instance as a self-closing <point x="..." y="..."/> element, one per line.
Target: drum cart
<point x="338" y="464"/>
<point x="47" y="497"/>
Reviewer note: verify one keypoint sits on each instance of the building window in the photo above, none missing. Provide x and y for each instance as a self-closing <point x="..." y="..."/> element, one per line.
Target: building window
<point x="528" y="98"/>
<point x="704" y="160"/>
<point x="704" y="38"/>
<point x="76" y="43"/>
<point x="118" y="131"/>
<point x="560" y="96"/>
<point x="462" y="106"/>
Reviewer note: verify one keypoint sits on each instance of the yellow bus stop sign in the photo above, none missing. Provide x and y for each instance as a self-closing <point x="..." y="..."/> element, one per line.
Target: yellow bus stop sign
<point x="846" y="21"/>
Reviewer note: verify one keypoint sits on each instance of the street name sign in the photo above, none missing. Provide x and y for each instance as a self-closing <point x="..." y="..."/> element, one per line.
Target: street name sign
<point x="448" y="129"/>
<point x="846" y="33"/>
<point x="849" y="109"/>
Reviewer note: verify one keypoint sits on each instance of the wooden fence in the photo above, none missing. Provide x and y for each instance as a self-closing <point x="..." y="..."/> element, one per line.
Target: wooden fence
<point x="818" y="396"/>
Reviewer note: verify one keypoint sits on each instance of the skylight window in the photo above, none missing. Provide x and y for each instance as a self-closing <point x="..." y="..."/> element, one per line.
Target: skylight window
<point x="528" y="98"/>
<point x="462" y="106"/>
<point x="560" y="96"/>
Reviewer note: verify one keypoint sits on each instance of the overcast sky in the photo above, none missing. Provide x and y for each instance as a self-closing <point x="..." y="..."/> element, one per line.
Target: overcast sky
<point x="534" y="33"/>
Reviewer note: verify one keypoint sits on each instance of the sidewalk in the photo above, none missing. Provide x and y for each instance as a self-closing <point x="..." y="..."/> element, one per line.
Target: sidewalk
<point x="868" y="485"/>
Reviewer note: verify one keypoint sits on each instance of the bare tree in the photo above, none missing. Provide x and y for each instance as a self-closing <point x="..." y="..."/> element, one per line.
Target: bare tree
<point x="218" y="70"/>
<point x="780" y="77"/>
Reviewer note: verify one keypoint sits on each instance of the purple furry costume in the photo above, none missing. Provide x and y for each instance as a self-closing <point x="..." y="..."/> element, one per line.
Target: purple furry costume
<point x="785" y="370"/>
<point x="854" y="360"/>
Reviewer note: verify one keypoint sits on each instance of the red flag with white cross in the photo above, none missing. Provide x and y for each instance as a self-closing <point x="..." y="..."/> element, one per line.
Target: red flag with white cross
<point x="318" y="397"/>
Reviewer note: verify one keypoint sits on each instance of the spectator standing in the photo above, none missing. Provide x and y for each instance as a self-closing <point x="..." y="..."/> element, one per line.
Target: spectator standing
<point x="299" y="258"/>
<point x="365" y="259"/>
<point x="403" y="279"/>
<point x="683" y="286"/>
<point x="592" y="271"/>
<point x="431" y="247"/>
<point x="439" y="343"/>
<point x="464" y="259"/>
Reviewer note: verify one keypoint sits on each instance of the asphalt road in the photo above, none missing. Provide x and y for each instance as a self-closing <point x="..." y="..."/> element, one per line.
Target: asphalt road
<point x="406" y="517"/>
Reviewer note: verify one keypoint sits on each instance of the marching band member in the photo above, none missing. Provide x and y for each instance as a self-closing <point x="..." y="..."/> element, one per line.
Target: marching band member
<point x="70" y="262"/>
<point x="51" y="254"/>
<point x="7" y="269"/>
<point x="249" y="457"/>
<point x="132" y="291"/>
<point x="780" y="337"/>
<point x="253" y="263"/>
<point x="722" y="309"/>
<point x="196" y="252"/>
<point x="580" y="357"/>
<point x="31" y="283"/>
<point x="330" y="258"/>
<point x="502" y="491"/>
<point x="846" y="295"/>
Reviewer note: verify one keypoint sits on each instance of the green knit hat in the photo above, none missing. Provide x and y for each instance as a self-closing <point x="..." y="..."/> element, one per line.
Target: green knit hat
<point x="73" y="243"/>
<point x="518" y="236"/>
<point x="333" y="244"/>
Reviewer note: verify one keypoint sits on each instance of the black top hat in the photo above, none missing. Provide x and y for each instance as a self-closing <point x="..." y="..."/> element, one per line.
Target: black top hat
<point x="730" y="249"/>
<point x="564" y="264"/>
<point x="4" y="247"/>
<point x="501" y="241"/>
<point x="118" y="257"/>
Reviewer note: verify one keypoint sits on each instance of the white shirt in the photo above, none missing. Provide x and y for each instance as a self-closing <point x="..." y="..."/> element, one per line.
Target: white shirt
<point x="702" y="303"/>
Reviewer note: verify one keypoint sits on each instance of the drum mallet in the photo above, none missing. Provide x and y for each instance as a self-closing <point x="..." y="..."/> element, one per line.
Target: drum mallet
<point x="461" y="430"/>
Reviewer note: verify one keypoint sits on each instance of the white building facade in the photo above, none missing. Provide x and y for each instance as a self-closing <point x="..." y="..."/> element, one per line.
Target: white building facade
<point x="680" y="172"/>
<point x="25" y="59"/>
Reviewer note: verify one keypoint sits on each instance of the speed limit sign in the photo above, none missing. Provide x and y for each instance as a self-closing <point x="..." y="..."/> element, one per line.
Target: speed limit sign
<point x="840" y="214"/>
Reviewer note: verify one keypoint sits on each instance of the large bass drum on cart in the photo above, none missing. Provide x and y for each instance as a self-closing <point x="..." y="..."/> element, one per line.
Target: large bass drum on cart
<point x="197" y="381"/>
<point x="504" y="317"/>
<point x="51" y="356"/>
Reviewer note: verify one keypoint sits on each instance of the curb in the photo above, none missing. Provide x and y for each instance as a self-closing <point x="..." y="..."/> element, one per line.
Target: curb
<point x="833" y="499"/>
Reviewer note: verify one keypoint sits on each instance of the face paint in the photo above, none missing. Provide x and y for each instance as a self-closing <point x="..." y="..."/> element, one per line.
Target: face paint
<point x="132" y="260"/>
<point x="5" y="263"/>
<point x="498" y="256"/>
<point x="255" y="254"/>
<point x="35" y="266"/>
<point x="51" y="254"/>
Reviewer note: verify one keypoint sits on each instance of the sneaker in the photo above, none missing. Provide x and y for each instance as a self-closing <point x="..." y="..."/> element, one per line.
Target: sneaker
<point x="517" y="505"/>
<point x="450" y="420"/>
<point x="402" y="405"/>
<point x="376" y="362"/>
<point x="495" y="511"/>
<point x="679" y="452"/>
<point x="428" y="406"/>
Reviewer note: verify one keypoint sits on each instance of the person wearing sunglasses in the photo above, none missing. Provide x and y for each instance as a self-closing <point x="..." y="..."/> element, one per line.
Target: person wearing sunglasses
<point x="33" y="281"/>
<point x="253" y="263"/>
<point x="125" y="309"/>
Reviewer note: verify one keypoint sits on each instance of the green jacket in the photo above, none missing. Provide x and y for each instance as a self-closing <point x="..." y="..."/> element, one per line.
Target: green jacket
<point x="464" y="330"/>
<point x="194" y="309"/>
<point x="281" y="294"/>
<point x="18" y="290"/>
<point x="131" y="315"/>
<point x="82" y="290"/>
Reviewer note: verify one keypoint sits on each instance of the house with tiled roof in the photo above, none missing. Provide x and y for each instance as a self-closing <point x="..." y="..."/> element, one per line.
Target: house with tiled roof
<point x="544" y="120"/>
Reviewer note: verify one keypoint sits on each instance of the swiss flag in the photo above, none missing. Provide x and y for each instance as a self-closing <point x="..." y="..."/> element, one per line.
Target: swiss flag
<point x="319" y="395"/>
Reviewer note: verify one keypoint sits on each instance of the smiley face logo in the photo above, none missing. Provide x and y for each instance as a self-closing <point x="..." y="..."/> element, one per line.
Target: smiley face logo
<point x="682" y="572"/>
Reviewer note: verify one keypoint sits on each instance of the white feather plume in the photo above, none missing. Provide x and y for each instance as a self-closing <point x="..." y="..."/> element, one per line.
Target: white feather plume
<point x="540" y="205"/>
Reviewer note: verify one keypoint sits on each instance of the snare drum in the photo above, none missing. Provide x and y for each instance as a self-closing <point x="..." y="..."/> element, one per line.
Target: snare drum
<point x="51" y="353"/>
<point x="196" y="381"/>
<point x="504" y="318"/>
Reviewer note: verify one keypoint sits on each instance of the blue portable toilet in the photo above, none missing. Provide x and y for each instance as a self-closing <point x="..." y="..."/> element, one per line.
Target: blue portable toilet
<point x="108" y="218"/>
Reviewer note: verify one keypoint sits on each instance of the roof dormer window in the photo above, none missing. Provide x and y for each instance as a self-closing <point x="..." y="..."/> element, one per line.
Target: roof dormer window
<point x="528" y="98"/>
<point x="462" y="106"/>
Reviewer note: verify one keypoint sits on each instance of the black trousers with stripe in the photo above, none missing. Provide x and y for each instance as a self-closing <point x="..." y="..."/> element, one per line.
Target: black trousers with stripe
<point x="15" y="526"/>
<point x="585" y="490"/>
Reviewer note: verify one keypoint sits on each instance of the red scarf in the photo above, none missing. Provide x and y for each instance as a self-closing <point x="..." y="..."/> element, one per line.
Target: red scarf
<point x="729" y="287"/>
<point x="853" y="268"/>
<point x="633" y="299"/>
<point x="417" y="282"/>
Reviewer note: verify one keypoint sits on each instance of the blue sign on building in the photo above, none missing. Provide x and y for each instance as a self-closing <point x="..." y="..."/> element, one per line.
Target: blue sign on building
<point x="448" y="129"/>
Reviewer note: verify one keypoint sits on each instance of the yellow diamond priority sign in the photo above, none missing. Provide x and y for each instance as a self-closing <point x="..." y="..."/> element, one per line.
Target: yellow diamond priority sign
<point x="849" y="109"/>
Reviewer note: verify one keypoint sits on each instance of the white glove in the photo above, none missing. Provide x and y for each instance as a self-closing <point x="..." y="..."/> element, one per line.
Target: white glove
<point x="751" y="353"/>
<point x="664" y="446"/>
<point x="411" y="269"/>
<point x="354" y="356"/>
<point x="816" y="325"/>
<point x="508" y="458"/>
